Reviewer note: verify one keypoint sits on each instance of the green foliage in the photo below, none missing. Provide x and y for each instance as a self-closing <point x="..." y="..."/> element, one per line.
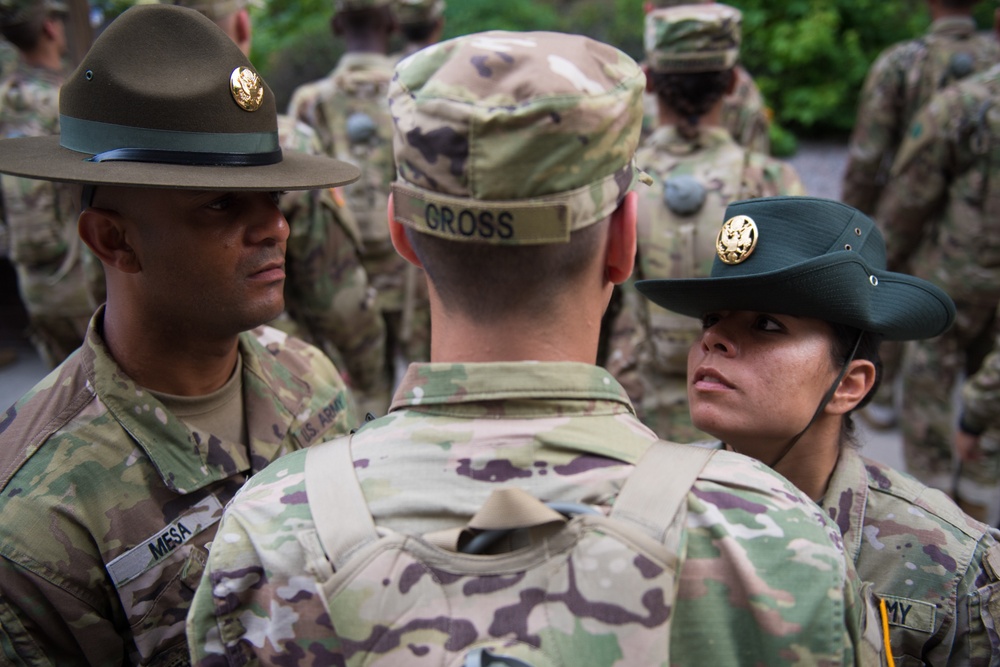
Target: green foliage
<point x="809" y="57"/>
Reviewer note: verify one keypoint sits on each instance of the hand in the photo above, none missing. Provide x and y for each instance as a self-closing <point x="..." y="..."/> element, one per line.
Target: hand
<point x="967" y="447"/>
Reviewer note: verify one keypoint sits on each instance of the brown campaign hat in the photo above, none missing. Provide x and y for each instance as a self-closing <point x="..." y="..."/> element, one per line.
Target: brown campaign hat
<point x="164" y="98"/>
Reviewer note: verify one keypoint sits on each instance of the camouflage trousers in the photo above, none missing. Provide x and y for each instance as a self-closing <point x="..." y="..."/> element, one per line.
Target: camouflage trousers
<point x="928" y="418"/>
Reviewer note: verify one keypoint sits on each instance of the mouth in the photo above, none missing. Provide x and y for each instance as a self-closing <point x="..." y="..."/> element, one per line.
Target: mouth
<point x="270" y="272"/>
<point x="709" y="379"/>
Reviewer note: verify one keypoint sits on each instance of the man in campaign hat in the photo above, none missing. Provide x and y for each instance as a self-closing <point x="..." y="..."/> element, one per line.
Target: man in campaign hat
<point x="329" y="300"/>
<point x="516" y="154"/>
<point x="115" y="468"/>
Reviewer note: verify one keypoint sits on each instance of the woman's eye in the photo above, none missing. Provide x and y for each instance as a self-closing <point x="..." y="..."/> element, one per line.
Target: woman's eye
<point x="766" y="323"/>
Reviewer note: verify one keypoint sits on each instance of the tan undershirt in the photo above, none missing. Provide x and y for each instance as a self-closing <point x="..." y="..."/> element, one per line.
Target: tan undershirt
<point x="219" y="413"/>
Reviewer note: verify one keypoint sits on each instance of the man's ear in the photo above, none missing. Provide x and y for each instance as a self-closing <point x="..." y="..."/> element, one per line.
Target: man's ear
<point x="620" y="259"/>
<point x="244" y="30"/>
<point x="103" y="230"/>
<point x="855" y="385"/>
<point x="399" y="239"/>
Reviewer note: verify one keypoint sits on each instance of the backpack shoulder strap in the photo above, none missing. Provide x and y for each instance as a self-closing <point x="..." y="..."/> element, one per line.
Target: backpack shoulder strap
<point x="645" y="500"/>
<point x="336" y="501"/>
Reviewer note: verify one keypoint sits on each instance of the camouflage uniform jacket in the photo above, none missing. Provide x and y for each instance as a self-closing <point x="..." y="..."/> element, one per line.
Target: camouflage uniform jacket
<point x="941" y="211"/>
<point x="39" y="216"/>
<point x="745" y="115"/>
<point x="936" y="568"/>
<point x="108" y="500"/>
<point x="764" y="581"/>
<point x="327" y="294"/>
<point x="357" y="85"/>
<point x="903" y="79"/>
<point x="981" y="397"/>
<point x="650" y="344"/>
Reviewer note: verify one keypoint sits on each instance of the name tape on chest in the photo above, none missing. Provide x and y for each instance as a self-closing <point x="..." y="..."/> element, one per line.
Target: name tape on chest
<point x="457" y="219"/>
<point x="911" y="614"/>
<point x="146" y="555"/>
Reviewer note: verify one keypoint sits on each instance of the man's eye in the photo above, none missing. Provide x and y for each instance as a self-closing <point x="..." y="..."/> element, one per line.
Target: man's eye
<point x="709" y="320"/>
<point x="276" y="196"/>
<point x="221" y="204"/>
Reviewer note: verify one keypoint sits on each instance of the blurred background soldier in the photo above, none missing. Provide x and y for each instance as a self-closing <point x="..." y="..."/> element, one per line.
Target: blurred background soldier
<point x="349" y="111"/>
<point x="698" y="170"/>
<point x="941" y="212"/>
<point x="744" y="113"/>
<point x="421" y="22"/>
<point x="329" y="301"/>
<point x="903" y="79"/>
<point x="8" y="57"/>
<point x="40" y="217"/>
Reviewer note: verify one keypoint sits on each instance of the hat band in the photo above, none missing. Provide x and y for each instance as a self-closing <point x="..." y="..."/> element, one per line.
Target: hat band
<point x="541" y="220"/>
<point x="693" y="62"/>
<point x="111" y="142"/>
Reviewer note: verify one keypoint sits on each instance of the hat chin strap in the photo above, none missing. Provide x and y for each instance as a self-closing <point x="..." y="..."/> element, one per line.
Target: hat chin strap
<point x="822" y="404"/>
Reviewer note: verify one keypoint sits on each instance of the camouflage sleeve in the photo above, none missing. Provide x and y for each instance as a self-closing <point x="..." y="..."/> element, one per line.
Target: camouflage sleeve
<point x="306" y="107"/>
<point x="981" y="394"/>
<point x="977" y="614"/>
<point x="257" y="599"/>
<point x="771" y="569"/>
<point x="875" y="135"/>
<point x="746" y="116"/>
<point x="50" y="618"/>
<point x="328" y="288"/>
<point x="919" y="182"/>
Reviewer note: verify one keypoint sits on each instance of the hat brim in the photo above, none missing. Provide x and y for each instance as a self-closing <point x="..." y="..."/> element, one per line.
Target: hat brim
<point x="835" y="288"/>
<point x="43" y="158"/>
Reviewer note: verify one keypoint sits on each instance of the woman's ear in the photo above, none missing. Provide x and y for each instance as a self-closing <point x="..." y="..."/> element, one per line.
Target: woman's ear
<point x="855" y="385"/>
<point x="103" y="230"/>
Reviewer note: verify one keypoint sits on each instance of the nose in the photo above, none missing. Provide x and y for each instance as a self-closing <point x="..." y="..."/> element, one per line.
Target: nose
<point x="714" y="339"/>
<point x="269" y="224"/>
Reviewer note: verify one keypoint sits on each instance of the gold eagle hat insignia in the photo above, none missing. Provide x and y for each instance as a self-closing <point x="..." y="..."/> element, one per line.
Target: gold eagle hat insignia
<point x="247" y="88"/>
<point x="737" y="239"/>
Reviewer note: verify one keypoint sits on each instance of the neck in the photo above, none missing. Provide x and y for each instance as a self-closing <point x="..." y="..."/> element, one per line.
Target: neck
<point x="668" y="116"/>
<point x="810" y="463"/>
<point x="564" y="334"/>
<point x="44" y="57"/>
<point x="171" y="361"/>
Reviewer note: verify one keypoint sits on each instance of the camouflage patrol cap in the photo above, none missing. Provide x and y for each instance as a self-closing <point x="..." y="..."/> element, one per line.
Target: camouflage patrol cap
<point x="16" y="12"/>
<point x="418" y="11"/>
<point x="213" y="9"/>
<point x="354" y="5"/>
<point x="693" y="38"/>
<point x="514" y="138"/>
<point x="659" y="4"/>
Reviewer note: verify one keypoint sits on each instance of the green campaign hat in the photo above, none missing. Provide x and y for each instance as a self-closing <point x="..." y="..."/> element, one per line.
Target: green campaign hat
<point x="164" y="98"/>
<point x="808" y="257"/>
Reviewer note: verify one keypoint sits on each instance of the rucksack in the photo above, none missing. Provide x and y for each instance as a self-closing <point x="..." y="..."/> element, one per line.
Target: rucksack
<point x="579" y="588"/>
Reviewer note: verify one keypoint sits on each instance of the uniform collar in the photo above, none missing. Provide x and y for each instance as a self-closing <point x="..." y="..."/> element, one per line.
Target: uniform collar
<point x="954" y="25"/>
<point x="432" y="384"/>
<point x="666" y="138"/>
<point x="847" y="498"/>
<point x="187" y="461"/>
